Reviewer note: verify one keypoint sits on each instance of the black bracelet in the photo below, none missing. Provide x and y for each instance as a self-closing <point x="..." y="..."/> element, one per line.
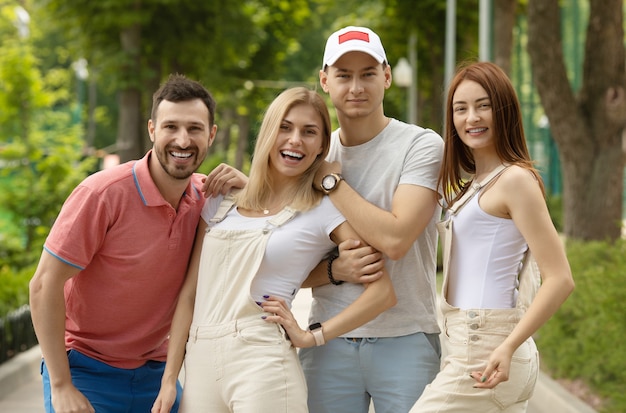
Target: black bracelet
<point x="330" y="270"/>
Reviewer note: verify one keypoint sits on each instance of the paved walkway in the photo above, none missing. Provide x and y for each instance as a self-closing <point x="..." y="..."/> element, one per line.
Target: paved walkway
<point x="21" y="391"/>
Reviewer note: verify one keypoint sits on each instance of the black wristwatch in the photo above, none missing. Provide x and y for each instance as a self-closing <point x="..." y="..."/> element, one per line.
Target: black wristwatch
<point x="330" y="182"/>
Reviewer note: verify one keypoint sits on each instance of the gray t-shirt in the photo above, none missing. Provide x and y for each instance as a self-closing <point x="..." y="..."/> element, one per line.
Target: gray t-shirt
<point x="401" y="154"/>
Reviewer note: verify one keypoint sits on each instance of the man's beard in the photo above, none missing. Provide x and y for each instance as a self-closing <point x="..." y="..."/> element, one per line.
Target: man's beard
<point x="176" y="171"/>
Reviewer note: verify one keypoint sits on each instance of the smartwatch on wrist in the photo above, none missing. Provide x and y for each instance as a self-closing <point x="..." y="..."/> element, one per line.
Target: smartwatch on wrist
<point x="318" y="334"/>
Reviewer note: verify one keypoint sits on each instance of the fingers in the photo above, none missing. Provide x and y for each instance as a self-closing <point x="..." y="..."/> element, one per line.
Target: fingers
<point x="276" y="306"/>
<point x="358" y="264"/>
<point x="348" y="245"/>
<point x="162" y="405"/>
<point x="370" y="267"/>
<point x="366" y="279"/>
<point x="371" y="261"/>
<point x="497" y="369"/>
<point x="277" y="311"/>
<point x="217" y="179"/>
<point x="489" y="379"/>
<point x="221" y="180"/>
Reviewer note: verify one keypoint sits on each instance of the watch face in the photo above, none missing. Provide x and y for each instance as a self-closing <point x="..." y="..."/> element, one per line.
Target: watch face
<point x="315" y="326"/>
<point x="329" y="182"/>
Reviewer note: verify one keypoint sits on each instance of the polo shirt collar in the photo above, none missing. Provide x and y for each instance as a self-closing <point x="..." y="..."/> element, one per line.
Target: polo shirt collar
<point x="148" y="190"/>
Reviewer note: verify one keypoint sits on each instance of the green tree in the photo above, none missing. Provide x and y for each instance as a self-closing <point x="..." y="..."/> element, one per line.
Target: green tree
<point x="41" y="151"/>
<point x="135" y="44"/>
<point x="427" y="21"/>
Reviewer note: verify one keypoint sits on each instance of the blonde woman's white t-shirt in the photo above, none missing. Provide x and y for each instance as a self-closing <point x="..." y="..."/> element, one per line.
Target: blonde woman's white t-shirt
<point x="293" y="250"/>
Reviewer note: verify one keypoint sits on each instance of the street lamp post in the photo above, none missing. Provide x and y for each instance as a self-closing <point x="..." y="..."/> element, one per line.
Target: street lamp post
<point x="22" y="21"/>
<point x="403" y="77"/>
<point x="82" y="73"/>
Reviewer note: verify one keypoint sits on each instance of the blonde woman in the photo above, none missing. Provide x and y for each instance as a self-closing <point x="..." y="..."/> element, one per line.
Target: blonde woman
<point x="233" y="325"/>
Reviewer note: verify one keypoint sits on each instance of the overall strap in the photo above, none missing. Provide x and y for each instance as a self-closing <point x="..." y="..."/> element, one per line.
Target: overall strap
<point x="474" y="188"/>
<point x="226" y="205"/>
<point x="284" y="216"/>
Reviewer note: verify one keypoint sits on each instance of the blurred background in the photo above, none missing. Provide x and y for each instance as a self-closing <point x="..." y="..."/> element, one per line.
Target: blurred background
<point x="77" y="77"/>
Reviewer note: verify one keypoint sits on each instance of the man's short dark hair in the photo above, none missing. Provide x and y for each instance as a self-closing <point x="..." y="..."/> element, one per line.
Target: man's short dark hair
<point x="178" y="88"/>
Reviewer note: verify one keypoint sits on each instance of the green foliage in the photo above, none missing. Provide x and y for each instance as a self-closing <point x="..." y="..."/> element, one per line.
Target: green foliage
<point x="584" y="338"/>
<point x="14" y="288"/>
<point x="41" y="151"/>
<point x="555" y="207"/>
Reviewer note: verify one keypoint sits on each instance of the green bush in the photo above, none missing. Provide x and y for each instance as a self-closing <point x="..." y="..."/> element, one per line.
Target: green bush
<point x="555" y="207"/>
<point x="584" y="339"/>
<point x="14" y="288"/>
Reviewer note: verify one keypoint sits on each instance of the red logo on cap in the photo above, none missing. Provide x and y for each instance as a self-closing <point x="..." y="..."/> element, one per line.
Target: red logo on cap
<point x="354" y="36"/>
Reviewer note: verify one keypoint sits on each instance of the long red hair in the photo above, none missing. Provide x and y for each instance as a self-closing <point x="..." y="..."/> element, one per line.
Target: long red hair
<point x="508" y="129"/>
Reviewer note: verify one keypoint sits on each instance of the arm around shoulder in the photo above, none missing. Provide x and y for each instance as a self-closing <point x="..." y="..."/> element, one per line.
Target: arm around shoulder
<point x="222" y="179"/>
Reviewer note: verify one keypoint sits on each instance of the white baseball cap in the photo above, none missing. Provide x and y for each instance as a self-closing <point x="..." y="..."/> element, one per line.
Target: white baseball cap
<point x="353" y="39"/>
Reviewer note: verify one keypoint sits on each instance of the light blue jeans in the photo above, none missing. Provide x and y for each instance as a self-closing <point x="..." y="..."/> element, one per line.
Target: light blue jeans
<point x="343" y="375"/>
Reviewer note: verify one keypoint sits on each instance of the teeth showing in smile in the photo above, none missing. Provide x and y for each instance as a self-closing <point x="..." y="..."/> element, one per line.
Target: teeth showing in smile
<point x="477" y="130"/>
<point x="180" y="154"/>
<point x="292" y="154"/>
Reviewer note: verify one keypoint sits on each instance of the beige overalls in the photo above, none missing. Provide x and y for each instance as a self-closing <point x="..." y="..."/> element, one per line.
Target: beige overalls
<point x="470" y="336"/>
<point x="236" y="361"/>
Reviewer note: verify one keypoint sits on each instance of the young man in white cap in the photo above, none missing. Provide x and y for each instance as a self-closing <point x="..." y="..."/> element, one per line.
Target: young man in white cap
<point x="383" y="178"/>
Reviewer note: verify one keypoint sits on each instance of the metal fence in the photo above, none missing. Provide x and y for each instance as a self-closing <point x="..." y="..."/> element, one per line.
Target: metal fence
<point x="16" y="333"/>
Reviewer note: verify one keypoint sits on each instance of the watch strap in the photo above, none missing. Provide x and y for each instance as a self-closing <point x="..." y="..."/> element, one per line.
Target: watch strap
<point x="318" y="334"/>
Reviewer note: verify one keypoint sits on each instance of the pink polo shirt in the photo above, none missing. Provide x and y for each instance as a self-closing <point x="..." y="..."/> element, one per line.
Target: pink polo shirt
<point x="132" y="249"/>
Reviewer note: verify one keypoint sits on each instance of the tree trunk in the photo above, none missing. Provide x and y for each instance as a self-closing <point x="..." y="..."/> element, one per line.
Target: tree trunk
<point x="223" y="138"/>
<point x="242" y="141"/>
<point x="587" y="128"/>
<point x="130" y="130"/>
<point x="151" y="84"/>
<point x="92" y="101"/>
<point x="504" y="21"/>
<point x="128" y="127"/>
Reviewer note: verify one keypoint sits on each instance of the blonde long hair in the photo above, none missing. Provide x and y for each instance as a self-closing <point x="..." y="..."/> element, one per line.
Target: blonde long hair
<point x="259" y="189"/>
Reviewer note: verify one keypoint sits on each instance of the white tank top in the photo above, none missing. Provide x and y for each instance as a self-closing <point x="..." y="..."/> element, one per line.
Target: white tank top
<point x="485" y="259"/>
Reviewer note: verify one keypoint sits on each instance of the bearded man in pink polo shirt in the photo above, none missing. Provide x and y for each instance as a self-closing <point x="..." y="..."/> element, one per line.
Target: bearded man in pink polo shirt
<point x="104" y="292"/>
